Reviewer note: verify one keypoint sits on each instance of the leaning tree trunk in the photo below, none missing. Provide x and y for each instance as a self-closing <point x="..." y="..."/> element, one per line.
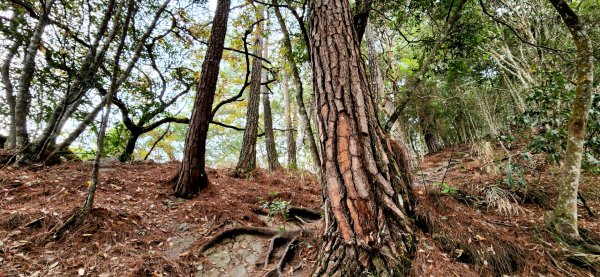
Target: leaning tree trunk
<point x="414" y="83"/>
<point x="368" y="205"/>
<point x="564" y="219"/>
<point x="7" y="83"/>
<point x="289" y="132"/>
<point x="247" y="160"/>
<point x="272" y="157"/>
<point x="304" y="120"/>
<point x="23" y="97"/>
<point x="192" y="175"/>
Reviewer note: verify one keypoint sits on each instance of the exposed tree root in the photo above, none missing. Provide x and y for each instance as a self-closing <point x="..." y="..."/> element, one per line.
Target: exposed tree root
<point x="285" y="257"/>
<point x="589" y="261"/>
<point x="272" y="245"/>
<point x="255" y="231"/>
<point x="305" y="213"/>
<point x="279" y="239"/>
<point x="293" y="212"/>
<point x="585" y="205"/>
<point x="72" y="222"/>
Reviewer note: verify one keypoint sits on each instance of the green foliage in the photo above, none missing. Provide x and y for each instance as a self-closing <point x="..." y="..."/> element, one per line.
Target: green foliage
<point x="514" y="175"/>
<point x="83" y="154"/>
<point x="445" y="188"/>
<point x="115" y="140"/>
<point x="547" y="116"/>
<point x="275" y="207"/>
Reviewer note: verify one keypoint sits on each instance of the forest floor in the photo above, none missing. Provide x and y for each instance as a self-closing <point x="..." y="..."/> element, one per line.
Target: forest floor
<point x="473" y="220"/>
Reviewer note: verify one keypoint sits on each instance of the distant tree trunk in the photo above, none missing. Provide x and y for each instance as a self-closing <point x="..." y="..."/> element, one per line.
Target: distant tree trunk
<point x="64" y="145"/>
<point x="375" y="78"/>
<point x="403" y="152"/>
<point x="272" y="157"/>
<point x="192" y="175"/>
<point x="303" y="115"/>
<point x="129" y="147"/>
<point x="412" y="84"/>
<point x="23" y="97"/>
<point x="2" y="141"/>
<point x="431" y="142"/>
<point x="247" y="160"/>
<point x="360" y="18"/>
<point x="564" y="219"/>
<point x="289" y="131"/>
<point x="6" y="82"/>
<point x="75" y="94"/>
<point x="79" y="216"/>
<point x="368" y="203"/>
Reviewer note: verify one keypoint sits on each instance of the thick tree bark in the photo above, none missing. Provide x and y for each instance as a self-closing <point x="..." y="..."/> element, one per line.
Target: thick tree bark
<point x="247" y="159"/>
<point x="192" y="175"/>
<point x="368" y="203"/>
<point x="272" y="157"/>
<point x="564" y="219"/>
<point x="303" y="115"/>
<point x="23" y="97"/>
<point x="7" y="83"/>
<point x="289" y="131"/>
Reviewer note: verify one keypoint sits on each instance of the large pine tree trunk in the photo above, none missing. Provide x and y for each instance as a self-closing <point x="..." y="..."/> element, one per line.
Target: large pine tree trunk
<point x="247" y="159"/>
<point x="272" y="157"/>
<point x="304" y="120"/>
<point x="192" y="175"/>
<point x="564" y="219"/>
<point x="289" y="132"/>
<point x="368" y="203"/>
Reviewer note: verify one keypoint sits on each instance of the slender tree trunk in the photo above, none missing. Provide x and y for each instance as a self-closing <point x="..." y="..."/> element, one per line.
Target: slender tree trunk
<point x="92" y="62"/>
<point x="157" y="141"/>
<point x="272" y="157"/>
<point x="73" y="96"/>
<point x="289" y="131"/>
<point x="402" y="151"/>
<point x="247" y="159"/>
<point x="77" y="132"/>
<point x="564" y="219"/>
<point x="6" y="82"/>
<point x="114" y="85"/>
<point x="192" y="175"/>
<point x="302" y="113"/>
<point x="413" y="83"/>
<point x="375" y="78"/>
<point x="368" y="205"/>
<point x="23" y="97"/>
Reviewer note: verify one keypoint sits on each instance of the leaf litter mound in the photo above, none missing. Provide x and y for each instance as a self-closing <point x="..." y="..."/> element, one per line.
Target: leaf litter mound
<point x="139" y="229"/>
